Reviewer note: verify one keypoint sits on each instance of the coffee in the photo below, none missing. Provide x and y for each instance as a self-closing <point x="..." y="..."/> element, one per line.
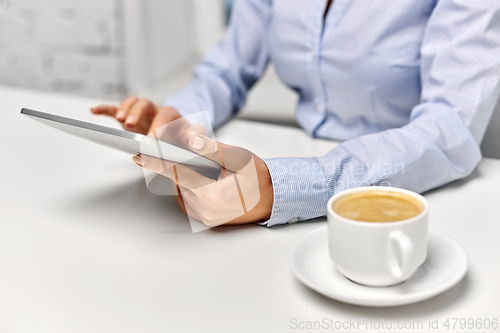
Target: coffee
<point x="378" y="206"/>
<point x="376" y="250"/>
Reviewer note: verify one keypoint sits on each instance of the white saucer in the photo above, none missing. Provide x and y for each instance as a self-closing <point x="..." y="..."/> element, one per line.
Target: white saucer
<point x="445" y="266"/>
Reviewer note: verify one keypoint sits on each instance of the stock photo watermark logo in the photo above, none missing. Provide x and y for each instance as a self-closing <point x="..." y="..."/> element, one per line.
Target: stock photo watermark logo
<point x="432" y="324"/>
<point x="215" y="184"/>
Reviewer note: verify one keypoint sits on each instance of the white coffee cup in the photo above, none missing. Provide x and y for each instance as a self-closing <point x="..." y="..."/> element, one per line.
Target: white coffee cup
<point x="377" y="254"/>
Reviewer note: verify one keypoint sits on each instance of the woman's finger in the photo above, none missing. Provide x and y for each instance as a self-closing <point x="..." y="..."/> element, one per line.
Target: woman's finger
<point x="183" y="197"/>
<point x="192" y="212"/>
<point x="108" y="110"/>
<point x="161" y="121"/>
<point x="180" y="199"/>
<point x="141" y="108"/>
<point x="188" y="206"/>
<point x="195" y="210"/>
<point x="124" y="108"/>
<point x="230" y="157"/>
<point x="180" y="174"/>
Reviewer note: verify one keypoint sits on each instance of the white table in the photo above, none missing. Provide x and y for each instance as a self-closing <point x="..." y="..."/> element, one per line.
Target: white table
<point x="85" y="248"/>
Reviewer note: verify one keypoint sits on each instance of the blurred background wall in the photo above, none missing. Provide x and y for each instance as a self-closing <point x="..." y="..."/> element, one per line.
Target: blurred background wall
<point x="68" y="46"/>
<point x="103" y="48"/>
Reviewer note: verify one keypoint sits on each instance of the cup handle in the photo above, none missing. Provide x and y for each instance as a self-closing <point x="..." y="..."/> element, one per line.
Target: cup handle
<point x="400" y="250"/>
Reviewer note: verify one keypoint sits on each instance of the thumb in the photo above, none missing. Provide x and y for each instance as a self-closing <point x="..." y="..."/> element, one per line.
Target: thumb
<point x="230" y="157"/>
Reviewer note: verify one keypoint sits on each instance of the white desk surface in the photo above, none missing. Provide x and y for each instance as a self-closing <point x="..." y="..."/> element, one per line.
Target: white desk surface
<point x="85" y="248"/>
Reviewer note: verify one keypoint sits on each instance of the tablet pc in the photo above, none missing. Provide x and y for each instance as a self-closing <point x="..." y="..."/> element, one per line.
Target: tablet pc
<point x="128" y="142"/>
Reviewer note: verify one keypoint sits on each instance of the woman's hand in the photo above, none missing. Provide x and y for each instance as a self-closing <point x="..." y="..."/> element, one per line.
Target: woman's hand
<point x="243" y="193"/>
<point x="144" y="117"/>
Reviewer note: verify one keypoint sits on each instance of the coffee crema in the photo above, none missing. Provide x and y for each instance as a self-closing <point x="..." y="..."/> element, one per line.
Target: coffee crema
<point x="378" y="206"/>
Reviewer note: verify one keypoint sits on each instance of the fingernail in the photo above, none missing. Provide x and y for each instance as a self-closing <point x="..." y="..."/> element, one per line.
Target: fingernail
<point x="139" y="161"/>
<point x="198" y="143"/>
<point x="120" y="115"/>
<point x="130" y="120"/>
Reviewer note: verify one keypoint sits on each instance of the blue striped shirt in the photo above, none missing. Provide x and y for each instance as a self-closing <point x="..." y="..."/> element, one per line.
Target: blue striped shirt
<point x="410" y="85"/>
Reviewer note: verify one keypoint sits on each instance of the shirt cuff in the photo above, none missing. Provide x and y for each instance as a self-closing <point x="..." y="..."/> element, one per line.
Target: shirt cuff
<point x="300" y="190"/>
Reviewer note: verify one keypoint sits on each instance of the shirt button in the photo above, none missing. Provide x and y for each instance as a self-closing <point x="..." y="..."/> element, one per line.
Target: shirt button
<point x="293" y="220"/>
<point x="320" y="108"/>
<point x="313" y="54"/>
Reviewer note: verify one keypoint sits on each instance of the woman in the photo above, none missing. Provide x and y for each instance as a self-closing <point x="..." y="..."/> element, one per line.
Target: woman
<point x="409" y="84"/>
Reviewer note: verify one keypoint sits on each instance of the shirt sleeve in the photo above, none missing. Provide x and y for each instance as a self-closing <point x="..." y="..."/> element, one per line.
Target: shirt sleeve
<point x="460" y="81"/>
<point x="221" y="81"/>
